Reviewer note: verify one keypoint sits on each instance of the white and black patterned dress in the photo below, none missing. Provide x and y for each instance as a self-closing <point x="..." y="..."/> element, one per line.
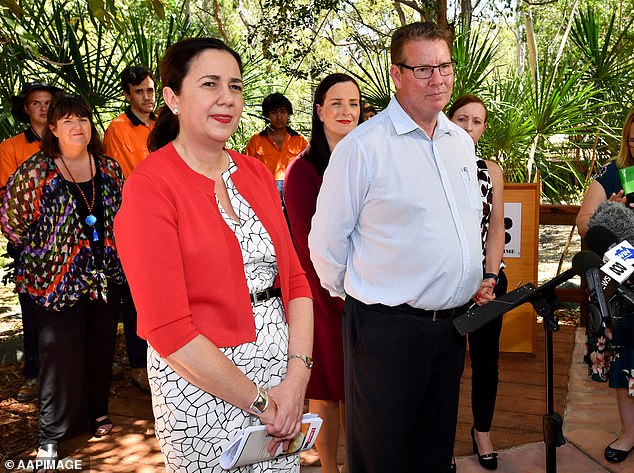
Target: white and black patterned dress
<point x="192" y="426"/>
<point x="486" y="191"/>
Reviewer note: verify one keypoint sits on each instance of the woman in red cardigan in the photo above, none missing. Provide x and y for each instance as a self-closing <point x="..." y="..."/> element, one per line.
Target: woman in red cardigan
<point x="221" y="297"/>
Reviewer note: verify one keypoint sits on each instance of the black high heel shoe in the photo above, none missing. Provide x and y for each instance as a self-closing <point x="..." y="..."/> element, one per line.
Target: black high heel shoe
<point x="615" y="456"/>
<point x="488" y="461"/>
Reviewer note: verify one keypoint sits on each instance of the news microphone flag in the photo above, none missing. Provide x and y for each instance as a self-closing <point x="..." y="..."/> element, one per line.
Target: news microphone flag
<point x="627" y="182"/>
<point x="620" y="262"/>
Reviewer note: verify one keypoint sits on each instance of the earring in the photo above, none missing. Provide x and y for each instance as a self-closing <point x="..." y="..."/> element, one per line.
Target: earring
<point x="175" y="110"/>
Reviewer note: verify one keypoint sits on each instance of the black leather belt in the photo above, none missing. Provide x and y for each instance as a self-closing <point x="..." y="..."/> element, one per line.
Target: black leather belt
<point x="265" y="295"/>
<point x="434" y="314"/>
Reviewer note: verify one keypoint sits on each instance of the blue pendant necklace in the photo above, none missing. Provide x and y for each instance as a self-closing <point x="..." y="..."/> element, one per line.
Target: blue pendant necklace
<point x="90" y="220"/>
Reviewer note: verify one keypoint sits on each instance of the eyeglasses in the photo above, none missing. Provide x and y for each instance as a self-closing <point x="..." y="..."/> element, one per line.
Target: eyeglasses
<point x="425" y="72"/>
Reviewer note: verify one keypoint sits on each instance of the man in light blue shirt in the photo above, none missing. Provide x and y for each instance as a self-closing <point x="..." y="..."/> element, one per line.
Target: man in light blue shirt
<point x="397" y="234"/>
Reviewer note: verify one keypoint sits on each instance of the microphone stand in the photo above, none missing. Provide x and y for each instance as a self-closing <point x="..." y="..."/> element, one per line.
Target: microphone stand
<point x="545" y="302"/>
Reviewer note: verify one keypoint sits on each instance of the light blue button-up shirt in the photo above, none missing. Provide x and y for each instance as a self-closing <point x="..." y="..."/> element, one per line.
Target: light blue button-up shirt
<point x="398" y="215"/>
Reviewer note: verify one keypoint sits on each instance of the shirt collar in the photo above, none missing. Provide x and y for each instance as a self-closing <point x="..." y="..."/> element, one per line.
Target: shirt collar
<point x="30" y="135"/>
<point x="134" y="119"/>
<point x="289" y="130"/>
<point x="403" y="123"/>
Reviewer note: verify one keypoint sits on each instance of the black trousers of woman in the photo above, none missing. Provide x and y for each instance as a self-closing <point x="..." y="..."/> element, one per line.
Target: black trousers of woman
<point x="484" y="351"/>
<point x="76" y="352"/>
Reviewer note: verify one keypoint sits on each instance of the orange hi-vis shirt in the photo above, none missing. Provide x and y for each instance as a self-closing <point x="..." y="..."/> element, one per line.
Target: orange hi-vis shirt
<point x="262" y="147"/>
<point x="14" y="151"/>
<point x="125" y="140"/>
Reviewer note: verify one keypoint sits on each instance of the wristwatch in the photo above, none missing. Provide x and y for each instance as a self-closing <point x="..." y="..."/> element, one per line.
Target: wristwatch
<point x="308" y="361"/>
<point x="261" y="402"/>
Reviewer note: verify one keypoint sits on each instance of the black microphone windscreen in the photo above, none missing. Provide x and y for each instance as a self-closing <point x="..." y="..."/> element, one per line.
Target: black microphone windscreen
<point x="585" y="260"/>
<point x="599" y="239"/>
<point x="616" y="217"/>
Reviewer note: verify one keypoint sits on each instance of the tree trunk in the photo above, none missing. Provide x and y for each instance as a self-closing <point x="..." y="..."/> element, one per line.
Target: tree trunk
<point x="399" y="11"/>
<point x="466" y="13"/>
<point x="441" y="13"/>
<point x="564" y="40"/>
<point x="531" y="159"/>
<point x="531" y="43"/>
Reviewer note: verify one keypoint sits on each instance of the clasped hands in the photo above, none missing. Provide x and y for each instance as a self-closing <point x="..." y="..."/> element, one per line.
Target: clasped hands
<point x="485" y="293"/>
<point x="283" y="417"/>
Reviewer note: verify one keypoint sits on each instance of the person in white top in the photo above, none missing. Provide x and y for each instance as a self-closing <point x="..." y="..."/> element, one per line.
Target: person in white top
<point x="397" y="234"/>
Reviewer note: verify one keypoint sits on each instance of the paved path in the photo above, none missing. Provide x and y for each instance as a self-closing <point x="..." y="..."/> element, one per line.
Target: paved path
<point x="590" y="423"/>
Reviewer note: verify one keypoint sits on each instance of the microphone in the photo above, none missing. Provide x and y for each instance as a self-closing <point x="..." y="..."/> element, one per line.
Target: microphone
<point x="627" y="182"/>
<point x="615" y="217"/>
<point x="600" y="239"/>
<point x="618" y="258"/>
<point x="587" y="263"/>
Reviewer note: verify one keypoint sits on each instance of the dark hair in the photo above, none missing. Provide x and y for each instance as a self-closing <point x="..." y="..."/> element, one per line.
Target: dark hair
<point x="318" y="152"/>
<point x="134" y="75"/>
<point x="66" y="105"/>
<point x="466" y="100"/>
<point x="275" y="101"/>
<point x="174" y="68"/>
<point x="417" y="31"/>
<point x="18" y="101"/>
<point x="367" y="108"/>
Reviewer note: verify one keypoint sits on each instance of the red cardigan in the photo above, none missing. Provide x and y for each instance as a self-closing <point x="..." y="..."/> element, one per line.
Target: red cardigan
<point x="184" y="264"/>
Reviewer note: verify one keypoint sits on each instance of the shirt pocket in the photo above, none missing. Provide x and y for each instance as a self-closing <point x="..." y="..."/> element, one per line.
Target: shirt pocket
<point x="472" y="189"/>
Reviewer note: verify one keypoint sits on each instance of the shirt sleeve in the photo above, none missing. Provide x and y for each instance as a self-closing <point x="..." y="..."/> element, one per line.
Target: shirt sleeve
<point x="113" y="145"/>
<point x="339" y="204"/>
<point x="250" y="149"/>
<point x="8" y="163"/>
<point x="147" y="241"/>
<point x="18" y="209"/>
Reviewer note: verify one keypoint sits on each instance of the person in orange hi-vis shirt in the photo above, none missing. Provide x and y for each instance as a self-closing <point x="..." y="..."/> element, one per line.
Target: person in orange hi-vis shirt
<point x="126" y="140"/>
<point x="278" y="144"/>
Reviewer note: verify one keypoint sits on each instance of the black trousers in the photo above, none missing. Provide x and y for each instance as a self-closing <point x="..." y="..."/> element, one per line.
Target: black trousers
<point x="76" y="353"/>
<point x="402" y="383"/>
<point x="135" y="346"/>
<point x="484" y="351"/>
<point x="29" y="330"/>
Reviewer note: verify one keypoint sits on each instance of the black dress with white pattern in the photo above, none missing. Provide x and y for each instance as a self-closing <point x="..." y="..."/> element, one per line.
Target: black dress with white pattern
<point x="192" y="426"/>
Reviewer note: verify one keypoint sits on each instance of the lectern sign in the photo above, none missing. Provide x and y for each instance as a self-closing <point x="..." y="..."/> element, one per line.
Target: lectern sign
<point x="512" y="230"/>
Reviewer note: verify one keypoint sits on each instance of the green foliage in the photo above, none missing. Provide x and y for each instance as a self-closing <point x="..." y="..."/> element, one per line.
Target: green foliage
<point x="83" y="46"/>
<point x="474" y="52"/>
<point x="564" y="124"/>
<point x="371" y="67"/>
<point x="286" y="33"/>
